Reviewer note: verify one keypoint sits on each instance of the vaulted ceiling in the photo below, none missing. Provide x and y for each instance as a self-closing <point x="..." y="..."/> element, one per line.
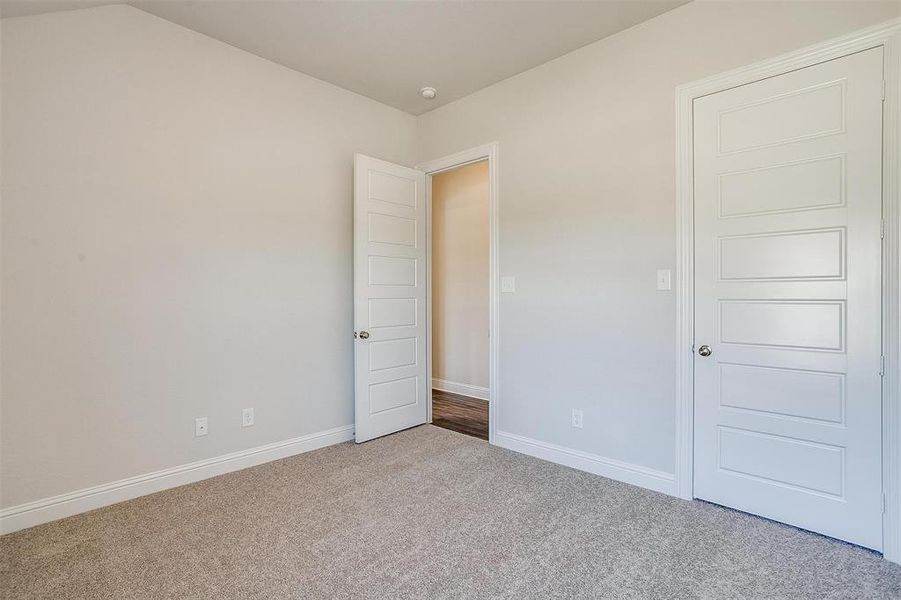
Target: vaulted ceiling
<point x="388" y="50"/>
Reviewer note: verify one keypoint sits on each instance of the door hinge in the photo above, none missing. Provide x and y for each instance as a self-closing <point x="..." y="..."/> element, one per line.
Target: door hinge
<point x="882" y="229"/>
<point x="882" y="366"/>
<point x="883" y="90"/>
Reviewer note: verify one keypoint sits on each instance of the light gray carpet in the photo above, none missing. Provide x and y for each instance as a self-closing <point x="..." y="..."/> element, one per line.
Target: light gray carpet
<point x="428" y="513"/>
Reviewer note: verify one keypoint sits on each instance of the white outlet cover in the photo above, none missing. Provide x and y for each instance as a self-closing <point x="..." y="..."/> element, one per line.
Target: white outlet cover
<point x="508" y="285"/>
<point x="200" y="427"/>
<point x="247" y="417"/>
<point x="577" y="418"/>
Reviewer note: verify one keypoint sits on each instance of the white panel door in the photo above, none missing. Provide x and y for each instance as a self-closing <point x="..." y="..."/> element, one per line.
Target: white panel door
<point x="788" y="253"/>
<point x="391" y="387"/>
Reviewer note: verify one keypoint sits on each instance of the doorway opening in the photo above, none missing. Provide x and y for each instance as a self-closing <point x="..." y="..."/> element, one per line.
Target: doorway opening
<point x="460" y="298"/>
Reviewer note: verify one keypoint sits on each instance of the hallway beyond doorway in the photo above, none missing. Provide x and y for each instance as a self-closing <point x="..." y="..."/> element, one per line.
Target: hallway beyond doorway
<point x="460" y="413"/>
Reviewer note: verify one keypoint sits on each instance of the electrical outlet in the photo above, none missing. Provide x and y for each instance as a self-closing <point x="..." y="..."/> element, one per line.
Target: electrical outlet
<point x="247" y="417"/>
<point x="200" y="426"/>
<point x="577" y="418"/>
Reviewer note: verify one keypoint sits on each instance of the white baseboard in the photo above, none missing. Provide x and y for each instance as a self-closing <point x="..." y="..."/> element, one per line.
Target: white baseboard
<point x="464" y="389"/>
<point x="72" y="503"/>
<point x="606" y="467"/>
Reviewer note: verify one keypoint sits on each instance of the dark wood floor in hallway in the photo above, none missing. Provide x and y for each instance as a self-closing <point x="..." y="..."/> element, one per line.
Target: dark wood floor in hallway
<point x="460" y="413"/>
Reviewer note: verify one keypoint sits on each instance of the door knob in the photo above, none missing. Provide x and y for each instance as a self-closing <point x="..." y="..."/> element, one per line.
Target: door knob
<point x="364" y="335"/>
<point x="703" y="350"/>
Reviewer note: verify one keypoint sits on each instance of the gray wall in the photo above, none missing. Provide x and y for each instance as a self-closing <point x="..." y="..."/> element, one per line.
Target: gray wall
<point x="587" y="214"/>
<point x="176" y="243"/>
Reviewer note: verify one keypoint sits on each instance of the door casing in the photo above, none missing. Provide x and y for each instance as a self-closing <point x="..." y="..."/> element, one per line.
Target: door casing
<point x="485" y="152"/>
<point x="888" y="36"/>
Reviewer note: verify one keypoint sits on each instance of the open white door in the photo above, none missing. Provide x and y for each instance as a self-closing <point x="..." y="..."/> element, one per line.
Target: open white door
<point x="391" y="387"/>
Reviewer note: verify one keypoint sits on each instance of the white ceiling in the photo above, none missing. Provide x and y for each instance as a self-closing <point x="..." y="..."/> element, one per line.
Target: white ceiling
<point x="387" y="50"/>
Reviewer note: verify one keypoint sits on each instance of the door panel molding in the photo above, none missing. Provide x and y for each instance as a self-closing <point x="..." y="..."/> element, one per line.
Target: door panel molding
<point x="887" y="36"/>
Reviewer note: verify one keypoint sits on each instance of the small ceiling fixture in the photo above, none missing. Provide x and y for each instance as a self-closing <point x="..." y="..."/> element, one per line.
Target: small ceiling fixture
<point x="428" y="93"/>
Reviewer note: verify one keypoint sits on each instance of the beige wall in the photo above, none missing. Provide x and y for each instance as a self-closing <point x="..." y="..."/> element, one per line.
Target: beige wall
<point x="460" y="275"/>
<point x="176" y="230"/>
<point x="587" y="214"/>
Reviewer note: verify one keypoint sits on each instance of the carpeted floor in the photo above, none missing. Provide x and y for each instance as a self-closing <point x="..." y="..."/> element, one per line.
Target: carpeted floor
<point x="428" y="513"/>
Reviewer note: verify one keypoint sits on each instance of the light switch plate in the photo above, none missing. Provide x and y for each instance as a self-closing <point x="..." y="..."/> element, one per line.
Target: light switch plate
<point x="508" y="285"/>
<point x="664" y="279"/>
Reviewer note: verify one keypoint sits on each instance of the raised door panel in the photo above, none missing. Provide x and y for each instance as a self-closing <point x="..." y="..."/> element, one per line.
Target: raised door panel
<point x="811" y="254"/>
<point x="795" y="115"/>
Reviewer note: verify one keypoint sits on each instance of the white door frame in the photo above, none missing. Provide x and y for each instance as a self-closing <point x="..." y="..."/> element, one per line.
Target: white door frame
<point x="486" y="152"/>
<point x="888" y="36"/>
